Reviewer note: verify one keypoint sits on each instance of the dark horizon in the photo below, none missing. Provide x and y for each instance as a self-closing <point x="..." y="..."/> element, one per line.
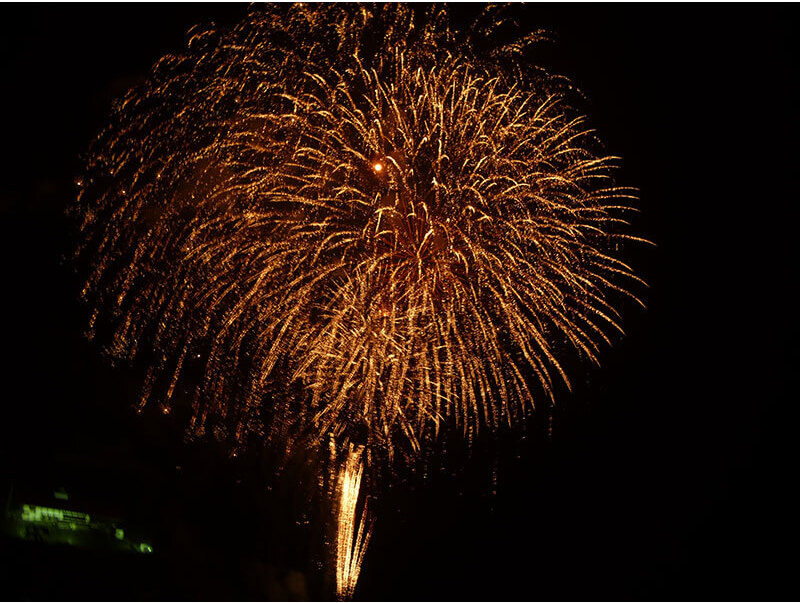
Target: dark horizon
<point x="668" y="471"/>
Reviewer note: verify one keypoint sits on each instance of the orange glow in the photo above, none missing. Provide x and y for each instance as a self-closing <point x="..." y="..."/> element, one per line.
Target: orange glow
<point x="378" y="167"/>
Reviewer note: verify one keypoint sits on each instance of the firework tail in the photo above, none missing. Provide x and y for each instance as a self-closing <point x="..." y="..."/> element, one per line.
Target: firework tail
<point x="352" y="529"/>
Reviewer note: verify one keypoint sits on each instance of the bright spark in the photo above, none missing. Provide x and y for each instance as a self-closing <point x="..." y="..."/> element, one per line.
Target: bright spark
<point x="352" y="532"/>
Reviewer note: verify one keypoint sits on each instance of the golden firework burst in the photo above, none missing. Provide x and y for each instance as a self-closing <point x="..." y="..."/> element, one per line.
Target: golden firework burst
<point x="345" y="224"/>
<point x="348" y="223"/>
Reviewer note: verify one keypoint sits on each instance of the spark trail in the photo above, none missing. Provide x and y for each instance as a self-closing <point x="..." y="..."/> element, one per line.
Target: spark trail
<point x="353" y="531"/>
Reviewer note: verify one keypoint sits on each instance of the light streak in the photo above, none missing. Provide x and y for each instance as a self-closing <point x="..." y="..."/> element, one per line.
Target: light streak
<point x="353" y="531"/>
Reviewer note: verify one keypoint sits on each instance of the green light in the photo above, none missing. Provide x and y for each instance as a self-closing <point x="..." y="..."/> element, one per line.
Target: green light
<point x="64" y="526"/>
<point x="37" y="514"/>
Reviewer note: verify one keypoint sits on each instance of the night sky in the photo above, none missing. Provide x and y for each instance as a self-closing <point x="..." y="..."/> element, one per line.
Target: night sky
<point x="669" y="470"/>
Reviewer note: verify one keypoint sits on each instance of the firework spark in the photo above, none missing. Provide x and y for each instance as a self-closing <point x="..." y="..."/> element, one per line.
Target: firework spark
<point x="352" y="531"/>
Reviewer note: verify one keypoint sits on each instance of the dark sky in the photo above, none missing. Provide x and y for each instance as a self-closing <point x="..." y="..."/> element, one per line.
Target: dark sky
<point x="669" y="470"/>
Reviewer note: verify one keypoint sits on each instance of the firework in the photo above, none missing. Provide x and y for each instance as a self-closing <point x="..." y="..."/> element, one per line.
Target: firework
<point x="352" y="531"/>
<point x="353" y="223"/>
<point x="394" y="233"/>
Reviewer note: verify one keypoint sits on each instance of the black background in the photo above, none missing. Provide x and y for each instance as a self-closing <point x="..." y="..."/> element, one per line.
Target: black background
<point x="669" y="471"/>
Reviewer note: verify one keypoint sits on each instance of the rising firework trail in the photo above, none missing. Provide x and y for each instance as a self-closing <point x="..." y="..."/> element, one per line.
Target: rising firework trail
<point x="353" y="224"/>
<point x="353" y="530"/>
